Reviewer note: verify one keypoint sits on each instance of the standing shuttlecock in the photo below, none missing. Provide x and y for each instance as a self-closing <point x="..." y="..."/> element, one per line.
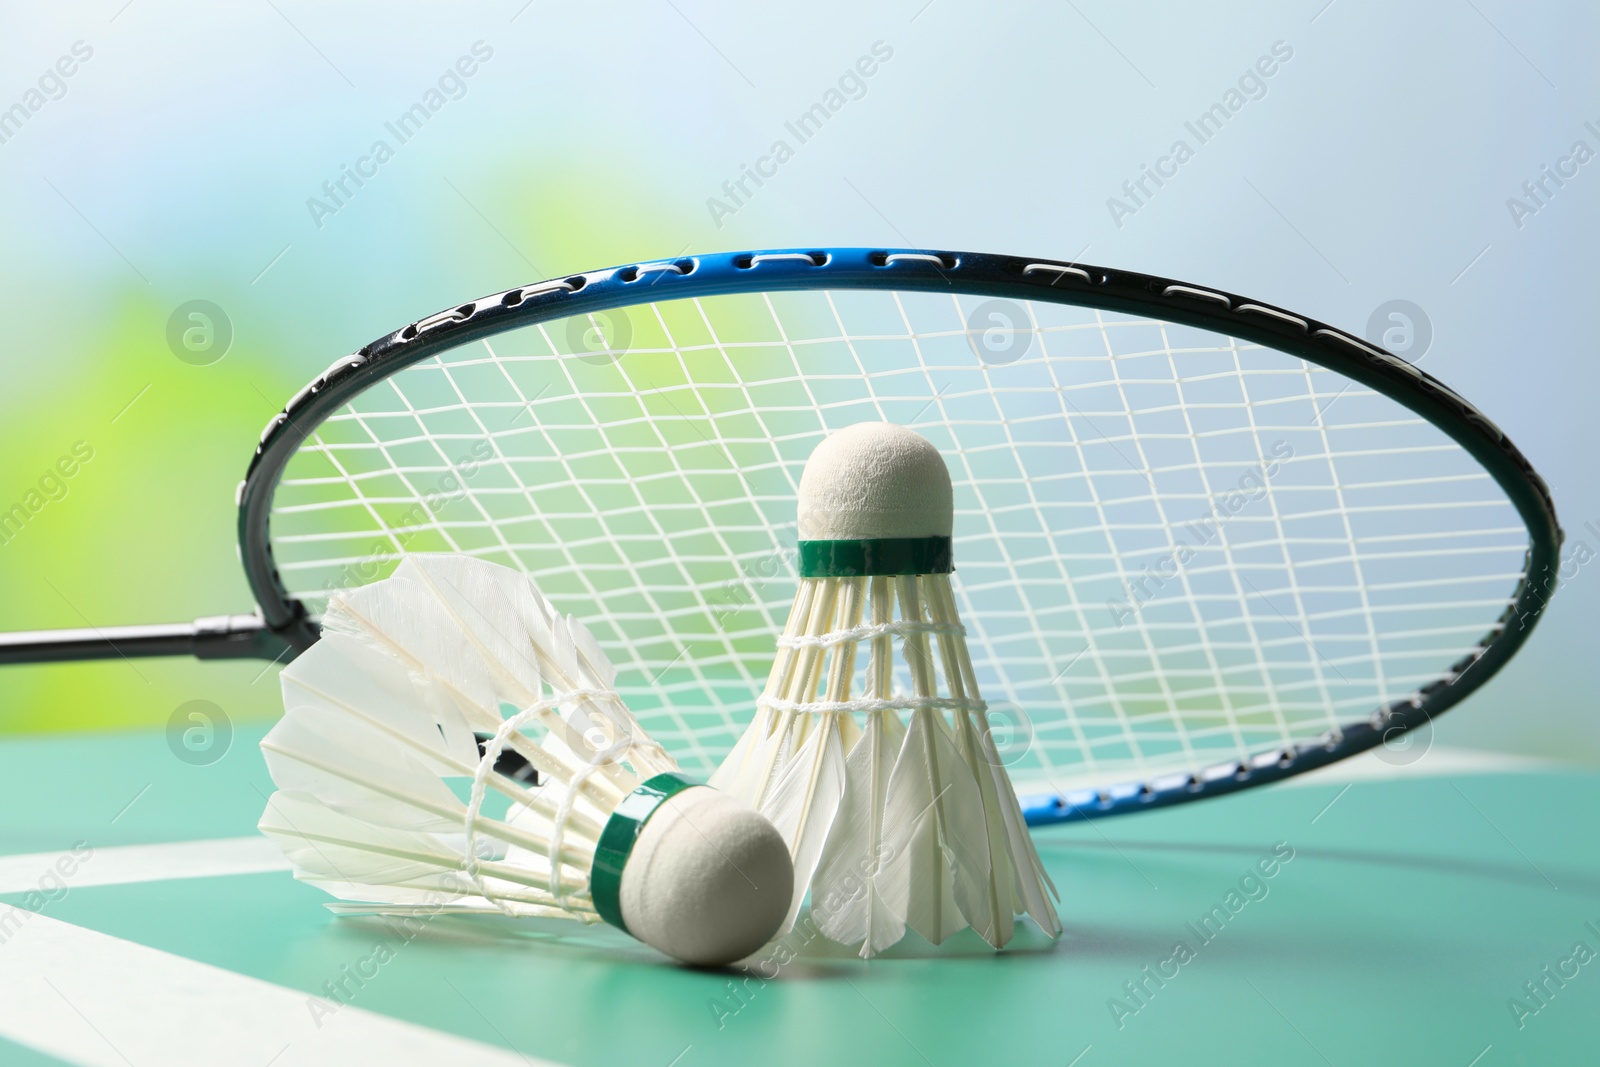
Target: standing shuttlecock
<point x="391" y="704"/>
<point x="893" y="824"/>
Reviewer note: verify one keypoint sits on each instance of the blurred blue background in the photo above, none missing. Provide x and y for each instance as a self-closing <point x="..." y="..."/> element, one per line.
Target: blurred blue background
<point x="154" y="153"/>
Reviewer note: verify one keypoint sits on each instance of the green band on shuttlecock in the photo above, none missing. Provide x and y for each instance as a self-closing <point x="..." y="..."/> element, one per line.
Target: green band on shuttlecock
<point x="889" y="555"/>
<point x="616" y="842"/>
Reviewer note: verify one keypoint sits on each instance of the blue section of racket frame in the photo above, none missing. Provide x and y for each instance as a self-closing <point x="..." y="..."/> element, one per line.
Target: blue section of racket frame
<point x="1050" y="809"/>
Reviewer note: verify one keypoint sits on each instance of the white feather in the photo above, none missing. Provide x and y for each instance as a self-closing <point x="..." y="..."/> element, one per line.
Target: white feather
<point x="1032" y="883"/>
<point x="755" y="780"/>
<point x="342" y="672"/>
<point x="327" y="846"/>
<point x="403" y="619"/>
<point x="356" y="770"/>
<point x="384" y="708"/>
<point x="1002" y="880"/>
<point x="850" y="900"/>
<point x="517" y="629"/>
<point x="915" y="869"/>
<point x="803" y="803"/>
<point x="355" y="860"/>
<point x="730" y="770"/>
<point x="932" y="787"/>
<point x="484" y="636"/>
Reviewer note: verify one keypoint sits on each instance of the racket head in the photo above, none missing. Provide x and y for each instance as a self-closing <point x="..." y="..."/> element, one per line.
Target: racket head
<point x="1361" y="547"/>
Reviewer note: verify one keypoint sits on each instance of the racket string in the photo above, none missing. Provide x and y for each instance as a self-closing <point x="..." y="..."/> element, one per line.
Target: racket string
<point x="1338" y="552"/>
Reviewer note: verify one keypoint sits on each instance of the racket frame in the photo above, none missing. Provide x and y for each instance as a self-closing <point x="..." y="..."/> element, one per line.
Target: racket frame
<point x="284" y="628"/>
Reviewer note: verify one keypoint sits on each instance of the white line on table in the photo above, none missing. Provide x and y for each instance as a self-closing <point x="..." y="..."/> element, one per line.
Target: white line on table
<point x="99" y="1001"/>
<point x="126" y="864"/>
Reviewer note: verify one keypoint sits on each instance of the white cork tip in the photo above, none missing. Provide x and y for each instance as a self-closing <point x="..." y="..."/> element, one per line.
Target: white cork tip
<point x="875" y="480"/>
<point x="708" y="881"/>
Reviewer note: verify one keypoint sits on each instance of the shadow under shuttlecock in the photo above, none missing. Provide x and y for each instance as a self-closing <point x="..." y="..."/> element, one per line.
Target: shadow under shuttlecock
<point x="596" y="941"/>
<point x="802" y="954"/>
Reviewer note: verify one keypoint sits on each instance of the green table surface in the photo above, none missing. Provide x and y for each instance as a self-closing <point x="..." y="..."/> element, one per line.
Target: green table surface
<point x="1402" y="931"/>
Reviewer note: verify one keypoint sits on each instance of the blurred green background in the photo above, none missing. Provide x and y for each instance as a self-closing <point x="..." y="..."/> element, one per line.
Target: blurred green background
<point x="178" y="160"/>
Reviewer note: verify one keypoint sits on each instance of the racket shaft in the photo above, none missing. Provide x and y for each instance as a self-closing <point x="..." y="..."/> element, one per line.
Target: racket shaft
<point x="220" y="637"/>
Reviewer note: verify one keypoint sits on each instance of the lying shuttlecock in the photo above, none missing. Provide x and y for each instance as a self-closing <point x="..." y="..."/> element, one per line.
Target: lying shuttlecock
<point x="892" y="825"/>
<point x="389" y="706"/>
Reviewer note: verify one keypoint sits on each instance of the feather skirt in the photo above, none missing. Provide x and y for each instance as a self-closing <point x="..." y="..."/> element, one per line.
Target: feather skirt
<point x="897" y="808"/>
